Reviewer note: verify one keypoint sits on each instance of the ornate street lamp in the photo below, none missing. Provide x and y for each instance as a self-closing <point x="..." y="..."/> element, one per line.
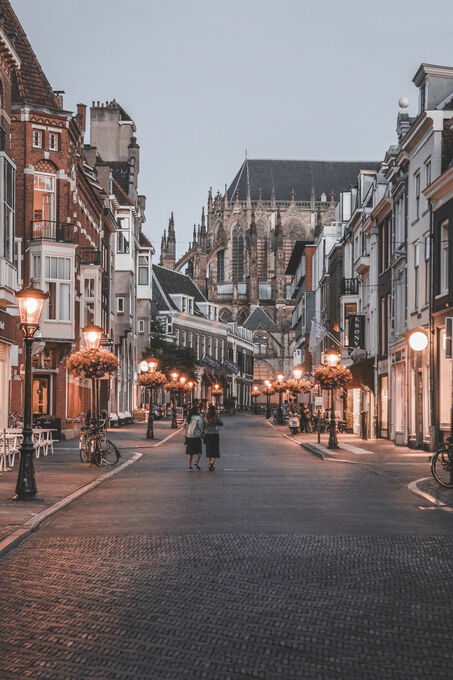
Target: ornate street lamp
<point x="174" y="377"/>
<point x="332" y="359"/>
<point x="268" y="392"/>
<point x="280" y="379"/>
<point x="190" y="384"/>
<point x="31" y="301"/>
<point x="418" y="342"/>
<point x="92" y="338"/>
<point x="297" y="373"/>
<point x="255" y="395"/>
<point x="149" y="367"/>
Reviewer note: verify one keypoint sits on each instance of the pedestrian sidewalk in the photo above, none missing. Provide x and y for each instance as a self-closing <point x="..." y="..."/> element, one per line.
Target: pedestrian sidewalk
<point x="62" y="477"/>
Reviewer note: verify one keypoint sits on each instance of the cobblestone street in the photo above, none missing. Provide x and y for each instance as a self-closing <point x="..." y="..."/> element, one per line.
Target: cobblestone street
<point x="278" y="565"/>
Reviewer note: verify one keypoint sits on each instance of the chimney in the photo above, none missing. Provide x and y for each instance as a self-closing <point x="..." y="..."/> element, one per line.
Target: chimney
<point x="59" y="97"/>
<point x="82" y="115"/>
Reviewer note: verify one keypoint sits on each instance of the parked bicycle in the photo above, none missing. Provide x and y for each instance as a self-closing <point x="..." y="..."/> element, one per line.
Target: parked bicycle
<point x="442" y="466"/>
<point x="95" y="447"/>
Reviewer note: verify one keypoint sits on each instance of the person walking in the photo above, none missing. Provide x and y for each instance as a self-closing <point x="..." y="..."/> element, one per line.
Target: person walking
<point x="211" y="437"/>
<point x="193" y="432"/>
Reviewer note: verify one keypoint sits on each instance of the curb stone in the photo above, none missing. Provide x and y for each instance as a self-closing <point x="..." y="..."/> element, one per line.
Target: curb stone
<point x="16" y="537"/>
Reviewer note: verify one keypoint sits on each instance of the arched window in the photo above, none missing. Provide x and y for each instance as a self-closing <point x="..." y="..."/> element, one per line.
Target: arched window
<point x="261" y="344"/>
<point x="220" y="266"/>
<point x="238" y="256"/>
<point x="226" y="315"/>
<point x="262" y="371"/>
<point x="242" y="317"/>
<point x="263" y="259"/>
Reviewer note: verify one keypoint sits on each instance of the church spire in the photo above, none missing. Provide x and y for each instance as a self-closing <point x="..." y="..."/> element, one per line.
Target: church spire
<point x="225" y="198"/>
<point x="194" y="236"/>
<point x="203" y="221"/>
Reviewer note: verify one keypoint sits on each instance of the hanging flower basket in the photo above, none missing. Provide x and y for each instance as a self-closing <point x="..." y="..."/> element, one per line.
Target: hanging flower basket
<point x="216" y="393"/>
<point x="151" y="380"/>
<point x="280" y="386"/>
<point x="268" y="391"/>
<point x="330" y="377"/>
<point x="92" y="363"/>
<point x="173" y="385"/>
<point x="296" y="386"/>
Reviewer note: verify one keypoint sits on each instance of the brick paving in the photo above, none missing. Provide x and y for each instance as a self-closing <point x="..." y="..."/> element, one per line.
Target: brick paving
<point x="227" y="606"/>
<point x="278" y="565"/>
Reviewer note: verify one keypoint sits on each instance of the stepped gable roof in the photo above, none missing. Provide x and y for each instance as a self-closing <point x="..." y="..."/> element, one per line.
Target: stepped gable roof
<point x="144" y="240"/>
<point x="170" y="283"/>
<point x="30" y="85"/>
<point x="120" y="173"/>
<point x="302" y="176"/>
<point x="122" y="197"/>
<point x="259" y="319"/>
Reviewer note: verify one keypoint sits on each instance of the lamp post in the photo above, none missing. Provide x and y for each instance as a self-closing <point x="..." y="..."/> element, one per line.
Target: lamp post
<point x="280" y="379"/>
<point x="255" y="395"/>
<point x="268" y="398"/>
<point x="174" y="377"/>
<point x="92" y="338"/>
<point x="31" y="301"/>
<point x="297" y="373"/>
<point x="418" y="342"/>
<point x="149" y="367"/>
<point x="190" y="383"/>
<point x="332" y="359"/>
<point x="182" y="382"/>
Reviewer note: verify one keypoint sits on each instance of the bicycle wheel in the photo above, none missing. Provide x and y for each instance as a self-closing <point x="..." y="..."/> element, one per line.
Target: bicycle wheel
<point x="97" y="453"/>
<point x="110" y="453"/>
<point x="442" y="468"/>
<point x="83" y="453"/>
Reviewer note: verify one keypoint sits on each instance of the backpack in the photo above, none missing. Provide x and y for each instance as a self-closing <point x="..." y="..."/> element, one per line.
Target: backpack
<point x="193" y="429"/>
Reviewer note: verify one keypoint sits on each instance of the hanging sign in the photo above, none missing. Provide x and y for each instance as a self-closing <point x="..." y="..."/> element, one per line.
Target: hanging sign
<point x="356" y="337"/>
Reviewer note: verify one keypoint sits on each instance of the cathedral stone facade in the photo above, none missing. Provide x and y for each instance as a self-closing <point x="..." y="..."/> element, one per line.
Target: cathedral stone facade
<point x="241" y="249"/>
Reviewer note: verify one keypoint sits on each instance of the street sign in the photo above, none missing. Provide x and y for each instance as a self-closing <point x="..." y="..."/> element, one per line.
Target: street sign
<point x="448" y="337"/>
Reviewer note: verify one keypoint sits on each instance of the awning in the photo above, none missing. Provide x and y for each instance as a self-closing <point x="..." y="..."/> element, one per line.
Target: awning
<point x="362" y="374"/>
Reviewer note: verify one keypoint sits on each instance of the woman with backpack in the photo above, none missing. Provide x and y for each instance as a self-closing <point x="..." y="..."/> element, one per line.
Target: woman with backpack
<point x="211" y="435"/>
<point x="193" y="432"/>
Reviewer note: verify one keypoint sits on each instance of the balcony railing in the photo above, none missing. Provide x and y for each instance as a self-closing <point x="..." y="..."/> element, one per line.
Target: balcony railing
<point x="89" y="256"/>
<point x="49" y="230"/>
<point x="350" y="286"/>
<point x="8" y="275"/>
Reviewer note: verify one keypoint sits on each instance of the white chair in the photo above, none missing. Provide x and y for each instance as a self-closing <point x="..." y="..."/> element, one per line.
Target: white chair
<point x="40" y="442"/>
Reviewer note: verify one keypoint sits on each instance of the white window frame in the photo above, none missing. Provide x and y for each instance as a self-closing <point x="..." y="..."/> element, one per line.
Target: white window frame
<point x="141" y="326"/>
<point x="53" y="137"/>
<point x="59" y="282"/>
<point x="120" y="304"/>
<point x="37" y="139"/>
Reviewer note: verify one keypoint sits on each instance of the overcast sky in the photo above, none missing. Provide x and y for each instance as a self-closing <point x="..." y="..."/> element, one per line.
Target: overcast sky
<point x="204" y="80"/>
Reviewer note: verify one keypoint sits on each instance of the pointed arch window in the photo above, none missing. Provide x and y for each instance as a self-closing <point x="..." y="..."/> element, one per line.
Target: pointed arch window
<point x="221" y="266"/>
<point x="238" y="257"/>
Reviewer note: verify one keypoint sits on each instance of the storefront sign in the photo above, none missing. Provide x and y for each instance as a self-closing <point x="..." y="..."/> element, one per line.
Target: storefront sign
<point x="356" y="337"/>
<point x="211" y="362"/>
<point x="8" y="326"/>
<point x="230" y="366"/>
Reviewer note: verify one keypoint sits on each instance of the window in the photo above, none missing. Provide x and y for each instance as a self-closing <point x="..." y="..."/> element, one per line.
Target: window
<point x="141" y="326"/>
<point x="184" y="304"/>
<point x="183" y="338"/>
<point x="210" y="346"/>
<point x="88" y="288"/>
<point x="44" y="198"/>
<point x="37" y="267"/>
<point x="197" y="345"/>
<point x="216" y="349"/>
<point x="220" y="266"/>
<point x="427" y="255"/>
<point x="177" y="337"/>
<point x="428" y="173"/>
<point x="222" y="345"/>
<point x="238" y="257"/>
<point x="54" y="141"/>
<point x="58" y="277"/>
<point x="416" y="273"/>
<point x="143" y="270"/>
<point x="122" y="243"/>
<point x="189" y="340"/>
<point x="38" y="137"/>
<point x="9" y="202"/>
<point x="203" y="344"/>
<point x="444" y="257"/>
<point x="120" y="305"/>
<point x="417" y="195"/>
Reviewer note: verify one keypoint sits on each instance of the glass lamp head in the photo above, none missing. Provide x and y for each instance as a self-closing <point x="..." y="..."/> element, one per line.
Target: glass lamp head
<point x="152" y="365"/>
<point x="332" y="358"/>
<point x="92" y="336"/>
<point x="297" y="373"/>
<point x="267" y="383"/>
<point x="31" y="301"/>
<point x="174" y="376"/>
<point x="418" y="341"/>
<point x="182" y="379"/>
<point x="143" y="366"/>
<point x="190" y="383"/>
<point x="280" y="377"/>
